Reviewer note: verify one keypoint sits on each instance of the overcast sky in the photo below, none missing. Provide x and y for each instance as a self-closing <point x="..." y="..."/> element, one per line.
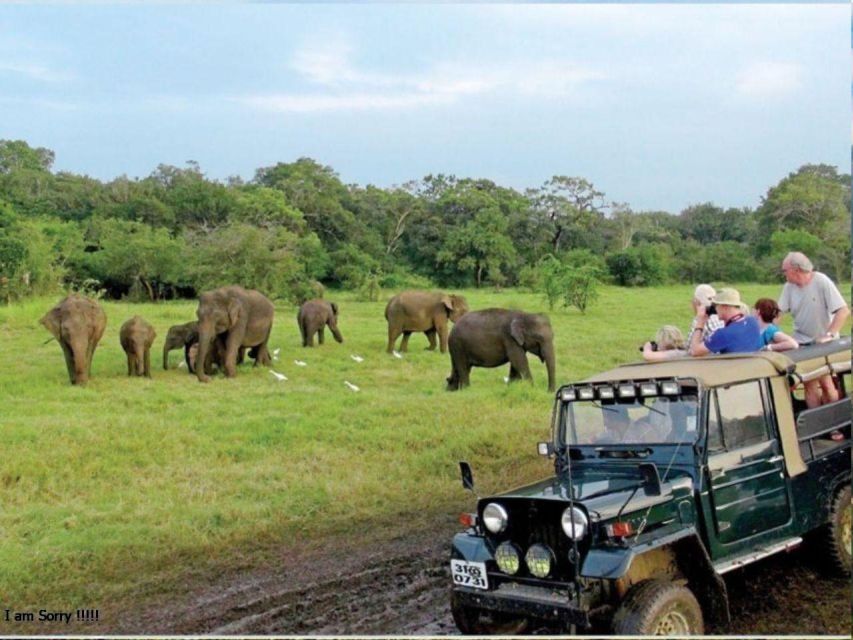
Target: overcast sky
<point x="660" y="106"/>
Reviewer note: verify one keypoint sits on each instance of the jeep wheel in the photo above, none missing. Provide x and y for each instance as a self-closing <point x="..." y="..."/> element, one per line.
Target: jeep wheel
<point x="836" y="536"/>
<point x="478" y="622"/>
<point x="658" y="608"/>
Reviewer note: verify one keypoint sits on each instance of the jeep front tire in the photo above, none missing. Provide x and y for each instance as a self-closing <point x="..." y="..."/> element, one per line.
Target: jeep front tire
<point x="658" y="608"/>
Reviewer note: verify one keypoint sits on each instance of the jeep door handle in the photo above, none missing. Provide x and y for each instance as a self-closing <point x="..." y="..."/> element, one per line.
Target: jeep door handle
<point x="776" y="459"/>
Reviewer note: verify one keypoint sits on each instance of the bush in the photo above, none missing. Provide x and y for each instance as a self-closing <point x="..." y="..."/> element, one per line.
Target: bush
<point x="581" y="287"/>
<point x="645" y="265"/>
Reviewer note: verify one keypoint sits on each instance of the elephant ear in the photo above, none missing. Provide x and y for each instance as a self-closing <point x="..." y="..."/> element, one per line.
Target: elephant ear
<point x="234" y="310"/>
<point x="447" y="302"/>
<point x="516" y="330"/>
<point x="334" y="308"/>
<point x="52" y="323"/>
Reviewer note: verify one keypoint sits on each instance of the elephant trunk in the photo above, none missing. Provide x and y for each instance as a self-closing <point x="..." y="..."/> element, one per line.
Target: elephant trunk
<point x="139" y="352"/>
<point x="166" y="349"/>
<point x="336" y="332"/>
<point x="206" y="337"/>
<point x="548" y="357"/>
<point x="79" y="349"/>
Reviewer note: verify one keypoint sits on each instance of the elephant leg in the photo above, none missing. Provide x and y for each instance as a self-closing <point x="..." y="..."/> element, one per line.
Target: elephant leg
<point x="404" y="343"/>
<point x="518" y="361"/>
<point x="513" y="374"/>
<point x="321" y="335"/>
<point x="442" y="337"/>
<point x="188" y="359"/>
<point x="130" y="365"/>
<point x="262" y="351"/>
<point x="431" y="337"/>
<point x="241" y="355"/>
<point x="393" y="334"/>
<point x="90" y="353"/>
<point x="147" y="366"/>
<point x="232" y="347"/>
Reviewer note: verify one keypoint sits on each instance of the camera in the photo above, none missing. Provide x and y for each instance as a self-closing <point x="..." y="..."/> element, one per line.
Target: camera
<point x="711" y="310"/>
<point x="654" y="346"/>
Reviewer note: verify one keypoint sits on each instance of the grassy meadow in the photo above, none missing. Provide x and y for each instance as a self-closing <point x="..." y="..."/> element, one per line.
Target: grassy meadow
<point x="130" y="488"/>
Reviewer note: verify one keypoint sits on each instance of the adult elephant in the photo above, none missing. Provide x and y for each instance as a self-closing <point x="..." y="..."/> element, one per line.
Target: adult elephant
<point x="180" y="336"/>
<point x="425" y="311"/>
<point x="313" y="318"/>
<point x="241" y="317"/>
<point x="78" y="324"/>
<point x="492" y="337"/>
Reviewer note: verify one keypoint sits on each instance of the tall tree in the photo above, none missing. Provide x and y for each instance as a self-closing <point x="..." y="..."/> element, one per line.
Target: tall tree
<point x="567" y="205"/>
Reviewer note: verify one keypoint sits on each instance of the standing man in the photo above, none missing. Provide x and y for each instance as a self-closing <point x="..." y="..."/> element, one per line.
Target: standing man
<point x="741" y="333"/>
<point x="819" y="312"/>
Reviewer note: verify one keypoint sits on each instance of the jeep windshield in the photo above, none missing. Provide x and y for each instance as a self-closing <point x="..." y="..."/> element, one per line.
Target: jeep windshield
<point x="629" y="414"/>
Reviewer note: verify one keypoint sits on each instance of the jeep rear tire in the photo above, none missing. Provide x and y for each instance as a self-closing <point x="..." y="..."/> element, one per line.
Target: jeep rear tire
<point x="658" y="608"/>
<point x="836" y="536"/>
<point x="478" y="622"/>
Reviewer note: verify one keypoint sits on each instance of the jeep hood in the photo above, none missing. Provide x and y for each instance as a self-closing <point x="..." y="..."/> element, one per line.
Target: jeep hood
<point x="604" y="491"/>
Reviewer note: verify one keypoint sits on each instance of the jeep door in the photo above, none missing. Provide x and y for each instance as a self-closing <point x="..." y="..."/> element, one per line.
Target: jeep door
<point x="746" y="483"/>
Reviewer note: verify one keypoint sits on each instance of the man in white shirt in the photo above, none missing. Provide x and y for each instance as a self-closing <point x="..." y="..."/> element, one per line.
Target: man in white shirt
<point x="819" y="312"/>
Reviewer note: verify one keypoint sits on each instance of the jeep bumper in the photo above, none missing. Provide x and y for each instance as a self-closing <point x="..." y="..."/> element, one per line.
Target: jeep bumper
<point x="522" y="600"/>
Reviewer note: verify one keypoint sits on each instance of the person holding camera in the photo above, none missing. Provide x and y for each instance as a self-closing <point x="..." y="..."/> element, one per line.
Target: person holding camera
<point x="668" y="344"/>
<point x="741" y="333"/>
<point x="702" y="297"/>
<point x="767" y="312"/>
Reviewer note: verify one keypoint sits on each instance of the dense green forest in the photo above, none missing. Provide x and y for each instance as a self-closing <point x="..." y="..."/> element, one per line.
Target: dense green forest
<point x="295" y="228"/>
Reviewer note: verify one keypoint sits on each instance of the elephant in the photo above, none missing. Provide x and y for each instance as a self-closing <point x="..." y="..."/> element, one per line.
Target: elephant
<point x="180" y="335"/>
<point x="313" y="317"/>
<point x="78" y="324"/>
<point x="425" y="311"/>
<point x="492" y="337"/>
<point x="136" y="337"/>
<point x="215" y="356"/>
<point x="241" y="317"/>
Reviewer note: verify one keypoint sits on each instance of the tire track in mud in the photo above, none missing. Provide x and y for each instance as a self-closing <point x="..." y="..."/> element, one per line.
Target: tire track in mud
<point x="400" y="587"/>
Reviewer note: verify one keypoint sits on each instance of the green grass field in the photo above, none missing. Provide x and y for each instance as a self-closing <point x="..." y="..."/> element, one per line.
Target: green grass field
<point x="128" y="488"/>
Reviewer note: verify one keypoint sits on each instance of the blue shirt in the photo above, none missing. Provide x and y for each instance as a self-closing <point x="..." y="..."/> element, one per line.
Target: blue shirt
<point x="738" y="336"/>
<point x="767" y="335"/>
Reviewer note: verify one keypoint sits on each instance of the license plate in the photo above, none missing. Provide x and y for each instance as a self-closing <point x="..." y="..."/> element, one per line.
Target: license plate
<point x="469" y="574"/>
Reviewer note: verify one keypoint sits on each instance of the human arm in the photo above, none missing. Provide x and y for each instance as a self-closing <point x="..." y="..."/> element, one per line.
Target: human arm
<point x="782" y="342"/>
<point x="658" y="356"/>
<point x="835" y="302"/>
<point x="697" y="347"/>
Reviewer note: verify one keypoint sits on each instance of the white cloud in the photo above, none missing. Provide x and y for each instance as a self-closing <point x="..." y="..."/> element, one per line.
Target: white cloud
<point x="767" y="79"/>
<point x="343" y="86"/>
<point x="35" y="72"/>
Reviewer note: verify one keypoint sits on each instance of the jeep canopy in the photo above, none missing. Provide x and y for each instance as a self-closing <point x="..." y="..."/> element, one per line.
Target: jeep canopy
<point x="805" y="363"/>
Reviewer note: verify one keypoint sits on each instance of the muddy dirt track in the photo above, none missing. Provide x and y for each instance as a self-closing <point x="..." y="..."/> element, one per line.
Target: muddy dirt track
<point x="400" y="587"/>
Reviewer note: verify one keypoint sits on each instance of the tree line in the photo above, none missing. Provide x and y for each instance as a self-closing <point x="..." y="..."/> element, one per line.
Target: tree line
<point x="296" y="227"/>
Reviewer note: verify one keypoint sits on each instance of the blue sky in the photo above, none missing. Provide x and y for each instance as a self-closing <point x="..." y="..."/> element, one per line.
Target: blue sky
<point x="660" y="106"/>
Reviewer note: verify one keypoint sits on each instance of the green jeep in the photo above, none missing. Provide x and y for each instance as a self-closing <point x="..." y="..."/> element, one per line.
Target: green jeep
<point x="667" y="476"/>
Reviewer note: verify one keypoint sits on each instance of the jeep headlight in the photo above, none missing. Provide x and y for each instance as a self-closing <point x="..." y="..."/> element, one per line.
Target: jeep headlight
<point x="495" y="517"/>
<point x="508" y="558"/>
<point x="539" y="559"/>
<point x="574" y="522"/>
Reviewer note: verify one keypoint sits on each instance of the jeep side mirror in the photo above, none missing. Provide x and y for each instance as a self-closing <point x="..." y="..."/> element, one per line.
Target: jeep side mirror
<point x="467" y="475"/>
<point x="545" y="449"/>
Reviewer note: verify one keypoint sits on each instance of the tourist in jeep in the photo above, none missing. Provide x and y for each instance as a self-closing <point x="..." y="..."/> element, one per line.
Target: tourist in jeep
<point x="741" y="333"/>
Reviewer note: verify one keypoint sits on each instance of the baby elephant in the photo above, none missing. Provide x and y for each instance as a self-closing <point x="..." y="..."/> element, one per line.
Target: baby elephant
<point x="180" y="336"/>
<point x="136" y="338"/>
<point x="313" y="317"/>
<point x="492" y="337"/>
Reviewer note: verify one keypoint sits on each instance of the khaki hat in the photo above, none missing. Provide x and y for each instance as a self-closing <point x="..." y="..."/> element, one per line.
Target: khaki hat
<point x="729" y="297"/>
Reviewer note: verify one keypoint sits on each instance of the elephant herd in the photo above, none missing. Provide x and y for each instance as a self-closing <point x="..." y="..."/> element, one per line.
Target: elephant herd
<point x="232" y="320"/>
